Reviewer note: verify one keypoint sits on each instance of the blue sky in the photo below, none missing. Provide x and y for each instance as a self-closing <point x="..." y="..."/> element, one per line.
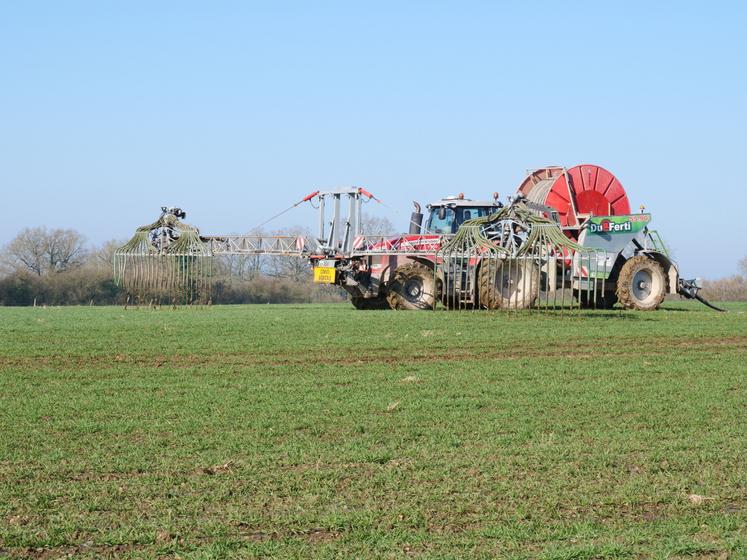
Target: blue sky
<point x="235" y="110"/>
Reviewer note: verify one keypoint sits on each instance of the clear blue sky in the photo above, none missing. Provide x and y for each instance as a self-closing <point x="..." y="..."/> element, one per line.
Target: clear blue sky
<point x="234" y="110"/>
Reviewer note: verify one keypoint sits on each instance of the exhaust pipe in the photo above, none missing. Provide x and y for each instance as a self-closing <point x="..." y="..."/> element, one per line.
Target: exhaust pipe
<point x="416" y="220"/>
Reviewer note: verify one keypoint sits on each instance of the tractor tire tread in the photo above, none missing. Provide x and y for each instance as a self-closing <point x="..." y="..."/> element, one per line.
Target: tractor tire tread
<point x="489" y="298"/>
<point x="402" y="272"/>
<point x="625" y="281"/>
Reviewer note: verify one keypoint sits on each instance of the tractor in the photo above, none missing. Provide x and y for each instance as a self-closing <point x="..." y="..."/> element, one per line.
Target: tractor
<point x="605" y="255"/>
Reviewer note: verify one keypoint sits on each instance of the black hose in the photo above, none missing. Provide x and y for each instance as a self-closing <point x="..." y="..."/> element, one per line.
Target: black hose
<point x="689" y="289"/>
<point x="706" y="302"/>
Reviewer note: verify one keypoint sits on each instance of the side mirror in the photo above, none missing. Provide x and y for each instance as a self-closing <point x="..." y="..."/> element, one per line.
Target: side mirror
<point x="442" y="213"/>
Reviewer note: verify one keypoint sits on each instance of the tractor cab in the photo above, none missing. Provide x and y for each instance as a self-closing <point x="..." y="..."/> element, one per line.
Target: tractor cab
<point x="446" y="215"/>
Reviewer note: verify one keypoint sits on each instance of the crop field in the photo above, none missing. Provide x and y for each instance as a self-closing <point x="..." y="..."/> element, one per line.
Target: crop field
<point x="324" y="432"/>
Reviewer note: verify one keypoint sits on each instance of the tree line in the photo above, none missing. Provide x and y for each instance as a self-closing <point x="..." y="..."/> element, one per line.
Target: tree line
<point x="42" y="266"/>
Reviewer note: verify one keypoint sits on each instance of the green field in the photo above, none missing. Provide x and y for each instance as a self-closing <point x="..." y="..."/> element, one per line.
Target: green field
<point x="321" y="431"/>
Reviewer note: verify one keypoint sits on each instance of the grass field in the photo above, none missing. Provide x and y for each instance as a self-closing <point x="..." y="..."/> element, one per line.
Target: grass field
<point x="321" y="431"/>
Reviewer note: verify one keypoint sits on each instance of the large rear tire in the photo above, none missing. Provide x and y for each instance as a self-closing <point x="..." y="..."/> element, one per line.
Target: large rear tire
<point x="413" y="287"/>
<point x="508" y="284"/>
<point x="641" y="284"/>
<point x="367" y="304"/>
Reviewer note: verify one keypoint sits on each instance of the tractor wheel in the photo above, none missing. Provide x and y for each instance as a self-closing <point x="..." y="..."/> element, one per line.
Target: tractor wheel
<point x="508" y="284"/>
<point x="603" y="300"/>
<point x="369" y="303"/>
<point x="413" y="287"/>
<point x="642" y="284"/>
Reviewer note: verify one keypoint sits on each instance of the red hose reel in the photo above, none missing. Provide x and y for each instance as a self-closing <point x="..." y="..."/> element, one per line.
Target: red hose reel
<point x="576" y="193"/>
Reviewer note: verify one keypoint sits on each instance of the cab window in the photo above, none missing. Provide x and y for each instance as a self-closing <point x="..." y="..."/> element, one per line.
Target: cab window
<point x="454" y="218"/>
<point x="437" y="225"/>
<point x="472" y="213"/>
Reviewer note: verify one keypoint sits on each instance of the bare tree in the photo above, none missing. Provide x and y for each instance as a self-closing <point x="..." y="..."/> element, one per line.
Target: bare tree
<point x="252" y="266"/>
<point x="293" y="268"/>
<point x="26" y="251"/>
<point x="43" y="251"/>
<point x="104" y="255"/>
<point x="243" y="266"/>
<point x="240" y="266"/>
<point x="374" y="225"/>
<point x="743" y="266"/>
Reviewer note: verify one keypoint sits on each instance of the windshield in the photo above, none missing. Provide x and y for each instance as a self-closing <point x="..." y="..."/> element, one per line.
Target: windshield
<point x="454" y="217"/>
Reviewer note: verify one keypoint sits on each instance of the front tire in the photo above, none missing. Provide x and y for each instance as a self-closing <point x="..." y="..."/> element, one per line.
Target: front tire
<point x="413" y="287"/>
<point x="642" y="284"/>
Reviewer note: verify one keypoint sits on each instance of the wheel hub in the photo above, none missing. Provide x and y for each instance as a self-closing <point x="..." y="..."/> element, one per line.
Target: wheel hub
<point x="642" y="284"/>
<point x="413" y="289"/>
<point x="509" y="280"/>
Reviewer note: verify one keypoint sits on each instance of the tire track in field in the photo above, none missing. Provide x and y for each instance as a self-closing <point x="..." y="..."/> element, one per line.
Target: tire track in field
<point x="649" y="347"/>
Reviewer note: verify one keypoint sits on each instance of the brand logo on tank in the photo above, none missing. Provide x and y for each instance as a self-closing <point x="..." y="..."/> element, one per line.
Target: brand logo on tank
<point x="608" y="226"/>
